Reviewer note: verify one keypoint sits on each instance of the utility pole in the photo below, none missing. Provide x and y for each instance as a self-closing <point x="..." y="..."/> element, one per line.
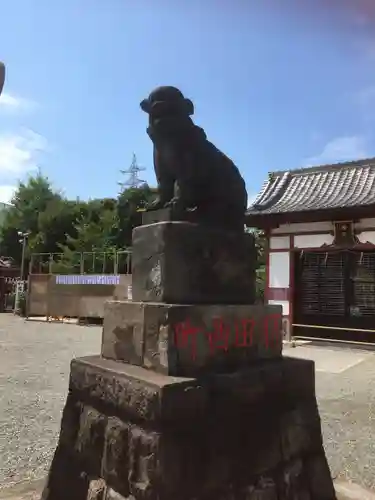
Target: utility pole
<point x="20" y="286"/>
<point x="23" y="240"/>
<point x="133" y="180"/>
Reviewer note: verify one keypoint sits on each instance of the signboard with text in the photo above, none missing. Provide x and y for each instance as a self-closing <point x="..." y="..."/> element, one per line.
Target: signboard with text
<point x="87" y="279"/>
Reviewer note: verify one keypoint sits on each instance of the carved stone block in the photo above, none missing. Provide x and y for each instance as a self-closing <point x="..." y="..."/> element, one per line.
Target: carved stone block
<point x="186" y="340"/>
<point x="184" y="263"/>
<point x="115" y="469"/>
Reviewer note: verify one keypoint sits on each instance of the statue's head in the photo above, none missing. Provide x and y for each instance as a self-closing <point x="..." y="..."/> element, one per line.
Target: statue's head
<point x="2" y="76"/>
<point x="167" y="101"/>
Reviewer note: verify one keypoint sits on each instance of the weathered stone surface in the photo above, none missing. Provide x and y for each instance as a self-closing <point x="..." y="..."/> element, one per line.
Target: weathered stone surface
<point x="145" y="395"/>
<point x="115" y="469"/>
<point x="144" y="472"/>
<point x="227" y="436"/>
<point x="300" y="430"/>
<point x="294" y="484"/>
<point x="188" y="340"/>
<point x="114" y="495"/>
<point x="66" y="477"/>
<point x="184" y="263"/>
<point x="70" y="422"/>
<point x="97" y="490"/>
<point x="304" y="384"/>
<point x="124" y="328"/>
<point x="316" y="466"/>
<point x="90" y="439"/>
<point x="167" y="214"/>
<point x="137" y="392"/>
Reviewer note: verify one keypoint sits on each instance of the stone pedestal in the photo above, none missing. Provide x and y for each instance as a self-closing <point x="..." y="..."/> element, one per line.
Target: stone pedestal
<point x="190" y="340"/>
<point x="185" y="263"/>
<point x="128" y="432"/>
<point x="190" y="397"/>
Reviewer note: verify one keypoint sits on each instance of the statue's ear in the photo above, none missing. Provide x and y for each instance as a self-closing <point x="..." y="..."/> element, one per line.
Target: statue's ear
<point x="189" y="106"/>
<point x="2" y="76"/>
<point x="145" y="106"/>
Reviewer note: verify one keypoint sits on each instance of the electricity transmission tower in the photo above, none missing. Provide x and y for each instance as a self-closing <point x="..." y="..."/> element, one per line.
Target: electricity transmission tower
<point x="133" y="180"/>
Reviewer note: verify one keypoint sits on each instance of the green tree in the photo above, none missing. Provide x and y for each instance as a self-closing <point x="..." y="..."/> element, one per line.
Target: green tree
<point x="93" y="246"/>
<point x="130" y="204"/>
<point x="71" y="228"/>
<point x="260" y="245"/>
<point x="30" y="199"/>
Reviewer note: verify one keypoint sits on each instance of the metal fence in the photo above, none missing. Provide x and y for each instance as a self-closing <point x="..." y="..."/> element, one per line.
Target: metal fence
<point x="81" y="263"/>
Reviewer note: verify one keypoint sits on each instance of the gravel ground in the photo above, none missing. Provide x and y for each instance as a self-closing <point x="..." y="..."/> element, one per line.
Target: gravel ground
<point x="34" y="374"/>
<point x="34" y="371"/>
<point x="347" y="409"/>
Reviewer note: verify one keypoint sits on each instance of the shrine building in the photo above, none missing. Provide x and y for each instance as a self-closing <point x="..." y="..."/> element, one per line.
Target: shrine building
<point x="319" y="224"/>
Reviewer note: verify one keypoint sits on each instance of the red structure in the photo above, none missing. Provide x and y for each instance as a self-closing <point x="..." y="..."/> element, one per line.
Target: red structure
<point x="320" y="228"/>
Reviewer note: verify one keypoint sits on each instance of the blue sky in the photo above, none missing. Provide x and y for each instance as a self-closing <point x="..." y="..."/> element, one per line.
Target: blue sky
<point x="275" y="86"/>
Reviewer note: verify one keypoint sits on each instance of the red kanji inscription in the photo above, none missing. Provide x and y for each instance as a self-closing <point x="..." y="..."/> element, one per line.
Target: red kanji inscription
<point x="244" y="332"/>
<point x="219" y="338"/>
<point x="183" y="332"/>
<point x="271" y="329"/>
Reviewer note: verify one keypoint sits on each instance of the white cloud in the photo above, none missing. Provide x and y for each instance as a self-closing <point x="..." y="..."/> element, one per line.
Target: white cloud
<point x="6" y="193"/>
<point x="339" y="150"/>
<point x="12" y="102"/>
<point x="19" y="153"/>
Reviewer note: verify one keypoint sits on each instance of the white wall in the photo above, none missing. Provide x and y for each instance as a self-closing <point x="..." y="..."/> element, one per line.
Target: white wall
<point x="365" y="223"/>
<point x="279" y="264"/>
<point x="279" y="242"/>
<point x="366" y="237"/>
<point x="317" y="240"/>
<point x="312" y="240"/>
<point x="279" y="270"/>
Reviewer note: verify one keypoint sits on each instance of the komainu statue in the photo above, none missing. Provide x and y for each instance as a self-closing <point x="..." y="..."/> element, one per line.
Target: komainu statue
<point x="192" y="174"/>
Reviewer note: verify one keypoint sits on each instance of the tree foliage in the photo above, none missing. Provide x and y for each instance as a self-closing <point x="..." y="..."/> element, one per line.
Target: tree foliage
<point x="260" y="243"/>
<point x="56" y="224"/>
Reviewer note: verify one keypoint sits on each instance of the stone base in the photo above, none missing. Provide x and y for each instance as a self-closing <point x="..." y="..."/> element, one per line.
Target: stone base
<point x="168" y="214"/>
<point x="189" y="340"/>
<point x="130" y="433"/>
<point x="201" y="217"/>
<point x="184" y="263"/>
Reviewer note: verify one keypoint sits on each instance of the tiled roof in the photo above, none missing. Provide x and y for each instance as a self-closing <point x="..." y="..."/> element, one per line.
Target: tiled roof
<point x="317" y="188"/>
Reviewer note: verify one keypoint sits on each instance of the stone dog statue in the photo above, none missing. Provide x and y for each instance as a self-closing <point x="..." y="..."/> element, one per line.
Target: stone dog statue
<point x="192" y="174"/>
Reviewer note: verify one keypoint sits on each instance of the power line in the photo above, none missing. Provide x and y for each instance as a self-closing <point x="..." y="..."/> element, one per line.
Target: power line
<point x="133" y="180"/>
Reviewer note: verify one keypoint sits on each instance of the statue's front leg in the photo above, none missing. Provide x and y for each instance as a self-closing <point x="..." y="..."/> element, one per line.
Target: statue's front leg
<point x="165" y="183"/>
<point x="183" y="197"/>
<point x="164" y="197"/>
